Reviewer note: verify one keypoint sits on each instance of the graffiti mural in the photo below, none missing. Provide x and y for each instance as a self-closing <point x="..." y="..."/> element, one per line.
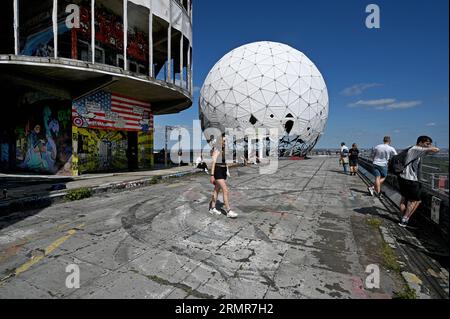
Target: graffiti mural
<point x="100" y="150"/>
<point x="105" y="110"/>
<point x="111" y="132"/>
<point x="4" y="155"/>
<point x="107" y="128"/>
<point x="43" y="143"/>
<point x="145" y="145"/>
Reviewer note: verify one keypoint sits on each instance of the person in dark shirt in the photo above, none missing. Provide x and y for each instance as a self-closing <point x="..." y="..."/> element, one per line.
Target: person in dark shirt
<point x="353" y="157"/>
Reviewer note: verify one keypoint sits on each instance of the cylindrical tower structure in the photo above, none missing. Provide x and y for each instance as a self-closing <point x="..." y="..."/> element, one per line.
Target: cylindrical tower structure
<point x="82" y="80"/>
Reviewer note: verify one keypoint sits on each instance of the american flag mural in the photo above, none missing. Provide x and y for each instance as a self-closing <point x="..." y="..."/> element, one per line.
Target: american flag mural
<point x="105" y="110"/>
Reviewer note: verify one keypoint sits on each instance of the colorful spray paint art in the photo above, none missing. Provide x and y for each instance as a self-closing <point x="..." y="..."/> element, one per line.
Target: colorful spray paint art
<point x="43" y="144"/>
<point x="100" y="150"/>
<point x="111" y="132"/>
<point x="105" y="110"/>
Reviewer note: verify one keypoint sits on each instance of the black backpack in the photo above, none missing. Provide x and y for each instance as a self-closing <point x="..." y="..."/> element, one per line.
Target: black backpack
<point x="397" y="164"/>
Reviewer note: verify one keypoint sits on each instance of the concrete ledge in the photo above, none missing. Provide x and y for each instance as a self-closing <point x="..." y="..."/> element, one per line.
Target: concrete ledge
<point x="410" y="258"/>
<point x="390" y="188"/>
<point x="44" y="200"/>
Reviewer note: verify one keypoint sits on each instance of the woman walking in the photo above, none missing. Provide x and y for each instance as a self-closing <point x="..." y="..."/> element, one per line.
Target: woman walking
<point x="353" y="157"/>
<point x="219" y="173"/>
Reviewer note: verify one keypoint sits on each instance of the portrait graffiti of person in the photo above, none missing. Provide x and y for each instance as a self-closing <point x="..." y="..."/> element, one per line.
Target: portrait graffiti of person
<point x="45" y="146"/>
<point x="33" y="158"/>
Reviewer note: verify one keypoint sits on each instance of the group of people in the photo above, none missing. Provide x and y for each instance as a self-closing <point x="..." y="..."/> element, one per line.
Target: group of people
<point x="349" y="157"/>
<point x="408" y="181"/>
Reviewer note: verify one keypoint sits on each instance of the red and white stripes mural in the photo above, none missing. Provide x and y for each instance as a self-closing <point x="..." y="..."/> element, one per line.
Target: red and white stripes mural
<point x="105" y="110"/>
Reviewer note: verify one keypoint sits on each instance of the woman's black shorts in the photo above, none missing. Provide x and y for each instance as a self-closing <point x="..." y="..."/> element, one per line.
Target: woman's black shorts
<point x="410" y="190"/>
<point x="353" y="161"/>
<point x="220" y="172"/>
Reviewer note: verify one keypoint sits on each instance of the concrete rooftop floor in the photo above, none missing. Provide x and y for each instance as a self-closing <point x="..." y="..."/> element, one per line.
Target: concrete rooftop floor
<point x="301" y="233"/>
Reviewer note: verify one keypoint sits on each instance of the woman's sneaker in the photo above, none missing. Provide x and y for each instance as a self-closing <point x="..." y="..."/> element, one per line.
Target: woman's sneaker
<point x="215" y="211"/>
<point x="371" y="190"/>
<point x="231" y="214"/>
<point x="404" y="223"/>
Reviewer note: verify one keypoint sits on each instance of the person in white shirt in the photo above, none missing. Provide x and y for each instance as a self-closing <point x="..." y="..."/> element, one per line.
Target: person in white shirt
<point x="344" y="160"/>
<point x="381" y="156"/>
<point x="408" y="181"/>
<point x="200" y="163"/>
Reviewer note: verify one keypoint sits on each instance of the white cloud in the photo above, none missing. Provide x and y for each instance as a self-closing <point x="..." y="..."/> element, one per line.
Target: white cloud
<point x="403" y="105"/>
<point x="386" y="104"/>
<point x="378" y="102"/>
<point x="397" y="131"/>
<point x="431" y="124"/>
<point x="358" y="89"/>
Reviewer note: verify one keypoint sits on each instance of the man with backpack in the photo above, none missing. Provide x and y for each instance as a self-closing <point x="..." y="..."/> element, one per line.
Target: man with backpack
<point x="344" y="159"/>
<point x="381" y="156"/>
<point x="410" y="187"/>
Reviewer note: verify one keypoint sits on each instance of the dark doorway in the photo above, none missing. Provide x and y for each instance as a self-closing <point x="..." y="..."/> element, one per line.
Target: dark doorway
<point x="289" y="126"/>
<point x="132" y="152"/>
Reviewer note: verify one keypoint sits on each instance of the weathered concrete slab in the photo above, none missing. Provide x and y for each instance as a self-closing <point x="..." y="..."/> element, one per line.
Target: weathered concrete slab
<point x="301" y="233"/>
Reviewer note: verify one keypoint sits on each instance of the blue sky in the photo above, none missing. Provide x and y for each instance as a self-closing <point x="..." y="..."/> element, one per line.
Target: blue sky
<point x="388" y="81"/>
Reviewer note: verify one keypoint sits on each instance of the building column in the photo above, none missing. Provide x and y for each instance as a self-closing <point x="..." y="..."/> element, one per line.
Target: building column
<point x="181" y="62"/>
<point x="191" y="65"/>
<point x="169" y="47"/>
<point x="125" y="34"/>
<point x="75" y="158"/>
<point x="16" y="28"/>
<point x="55" y="27"/>
<point x="93" y="30"/>
<point x="188" y="69"/>
<point x="150" y="44"/>
<point x="191" y="71"/>
<point x="189" y="8"/>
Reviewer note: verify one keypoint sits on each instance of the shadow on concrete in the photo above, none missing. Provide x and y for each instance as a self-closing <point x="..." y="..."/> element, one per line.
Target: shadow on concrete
<point x="339" y="172"/>
<point x="431" y="251"/>
<point x="21" y="198"/>
<point x="374" y="211"/>
<point x="221" y="207"/>
<point x="431" y="243"/>
<point x="360" y="192"/>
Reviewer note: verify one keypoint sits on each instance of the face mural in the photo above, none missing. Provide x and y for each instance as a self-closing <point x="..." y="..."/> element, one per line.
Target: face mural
<point x="44" y="143"/>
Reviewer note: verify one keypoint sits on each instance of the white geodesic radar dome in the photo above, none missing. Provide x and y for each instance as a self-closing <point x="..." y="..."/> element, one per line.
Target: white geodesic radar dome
<point x="266" y="85"/>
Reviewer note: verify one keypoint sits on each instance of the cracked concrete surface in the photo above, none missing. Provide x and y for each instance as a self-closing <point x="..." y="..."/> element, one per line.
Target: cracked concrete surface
<point x="301" y="233"/>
